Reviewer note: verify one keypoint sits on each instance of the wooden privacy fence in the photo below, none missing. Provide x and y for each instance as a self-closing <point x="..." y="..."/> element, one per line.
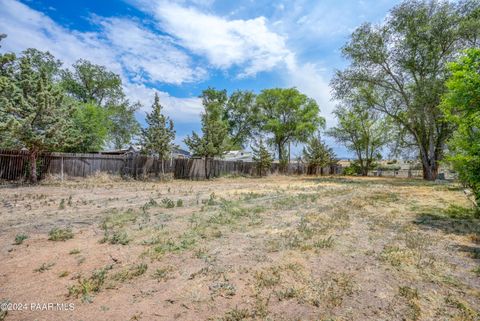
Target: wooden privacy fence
<point x="14" y="165"/>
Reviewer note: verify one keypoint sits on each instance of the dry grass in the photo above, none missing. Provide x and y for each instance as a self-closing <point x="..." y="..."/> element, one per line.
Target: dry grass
<point x="278" y="248"/>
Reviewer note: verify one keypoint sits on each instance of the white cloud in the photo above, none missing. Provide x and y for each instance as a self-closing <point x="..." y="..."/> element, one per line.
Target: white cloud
<point x="121" y="45"/>
<point x="248" y="44"/>
<point x="185" y="110"/>
<point x="309" y="79"/>
<point x="147" y="56"/>
<point x="27" y="28"/>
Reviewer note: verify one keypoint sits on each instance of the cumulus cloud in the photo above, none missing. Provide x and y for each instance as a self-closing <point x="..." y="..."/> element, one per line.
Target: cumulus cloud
<point x="310" y="80"/>
<point x="147" y="56"/>
<point x="248" y="44"/>
<point x="122" y="45"/>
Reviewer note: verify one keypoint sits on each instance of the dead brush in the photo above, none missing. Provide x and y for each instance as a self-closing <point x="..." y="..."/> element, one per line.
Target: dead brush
<point x="130" y="273"/>
<point x="60" y="234"/>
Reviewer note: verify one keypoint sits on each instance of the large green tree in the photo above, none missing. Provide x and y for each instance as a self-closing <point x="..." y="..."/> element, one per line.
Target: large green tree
<point x="241" y="114"/>
<point x="362" y="131"/>
<point x="91" y="125"/>
<point x="94" y="84"/>
<point x="90" y="83"/>
<point x="33" y="112"/>
<point x="288" y="116"/>
<point x="461" y="105"/>
<point x="403" y="63"/>
<point x="214" y="140"/>
<point x="158" y="136"/>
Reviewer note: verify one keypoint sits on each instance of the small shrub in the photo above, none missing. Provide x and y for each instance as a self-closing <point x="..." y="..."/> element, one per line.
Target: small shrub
<point x="168" y="203"/>
<point x="130" y="273"/>
<point x="149" y="204"/>
<point x="62" y="204"/>
<point x="119" y="237"/>
<point x="87" y="286"/>
<point x="74" y="251"/>
<point x="19" y="238"/>
<point x="180" y="203"/>
<point x="60" y="234"/>
<point x="325" y="243"/>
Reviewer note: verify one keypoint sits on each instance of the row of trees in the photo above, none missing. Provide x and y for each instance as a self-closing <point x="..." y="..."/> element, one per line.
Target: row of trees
<point x="279" y="116"/>
<point x="414" y="80"/>
<point x="395" y="82"/>
<point x="46" y="108"/>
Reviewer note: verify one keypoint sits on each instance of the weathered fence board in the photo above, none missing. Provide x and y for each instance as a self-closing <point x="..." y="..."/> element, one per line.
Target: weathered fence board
<point x="14" y="165"/>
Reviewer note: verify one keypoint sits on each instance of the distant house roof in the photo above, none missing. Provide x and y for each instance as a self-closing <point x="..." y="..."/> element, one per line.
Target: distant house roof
<point x="181" y="152"/>
<point x="176" y="152"/>
<point x="238" y="155"/>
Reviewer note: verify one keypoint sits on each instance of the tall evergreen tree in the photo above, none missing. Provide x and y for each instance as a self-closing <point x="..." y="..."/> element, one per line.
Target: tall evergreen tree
<point x="318" y="155"/>
<point x="262" y="158"/>
<point x="158" y="137"/>
<point x="214" y="141"/>
<point x="33" y="112"/>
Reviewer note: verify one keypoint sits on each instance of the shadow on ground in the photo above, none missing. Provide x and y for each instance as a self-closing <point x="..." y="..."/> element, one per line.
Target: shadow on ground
<point x="382" y="181"/>
<point x="453" y="220"/>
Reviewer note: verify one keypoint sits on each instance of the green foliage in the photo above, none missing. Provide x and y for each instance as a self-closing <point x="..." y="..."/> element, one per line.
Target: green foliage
<point x="214" y="141"/>
<point x="86" y="287"/>
<point x="399" y="69"/>
<point x="288" y="115"/>
<point x="90" y="83"/>
<point x="91" y="123"/>
<point x="168" y="203"/>
<point x="33" y="112"/>
<point x="362" y="131"/>
<point x="241" y="114"/>
<point x="45" y="108"/>
<point x="93" y="84"/>
<point x="158" y="137"/>
<point x="318" y="154"/>
<point x="461" y="105"/>
<point x="19" y="238"/>
<point x="262" y="158"/>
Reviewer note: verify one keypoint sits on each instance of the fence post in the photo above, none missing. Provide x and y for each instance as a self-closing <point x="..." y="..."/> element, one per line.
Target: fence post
<point x="61" y="168"/>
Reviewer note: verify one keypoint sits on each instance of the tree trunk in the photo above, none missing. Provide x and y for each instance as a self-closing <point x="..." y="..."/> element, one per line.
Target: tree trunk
<point x="33" y="166"/>
<point x="429" y="165"/>
<point x="163" y="167"/>
<point x="429" y="172"/>
<point x="280" y="151"/>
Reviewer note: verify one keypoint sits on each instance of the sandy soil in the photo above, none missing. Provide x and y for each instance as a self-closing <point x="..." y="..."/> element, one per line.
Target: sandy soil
<point x="276" y="248"/>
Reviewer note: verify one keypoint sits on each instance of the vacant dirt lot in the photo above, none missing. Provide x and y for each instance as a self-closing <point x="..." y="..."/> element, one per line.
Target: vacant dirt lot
<point x="278" y="248"/>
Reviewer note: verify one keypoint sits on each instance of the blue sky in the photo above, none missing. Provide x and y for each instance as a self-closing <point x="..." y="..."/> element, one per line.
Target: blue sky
<point x="178" y="48"/>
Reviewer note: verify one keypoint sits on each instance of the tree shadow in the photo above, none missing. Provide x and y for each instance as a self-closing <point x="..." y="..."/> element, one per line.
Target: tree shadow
<point x="369" y="181"/>
<point x="452" y="220"/>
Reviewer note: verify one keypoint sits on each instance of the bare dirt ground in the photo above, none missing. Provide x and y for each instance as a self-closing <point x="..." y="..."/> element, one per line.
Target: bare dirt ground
<point x="277" y="248"/>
